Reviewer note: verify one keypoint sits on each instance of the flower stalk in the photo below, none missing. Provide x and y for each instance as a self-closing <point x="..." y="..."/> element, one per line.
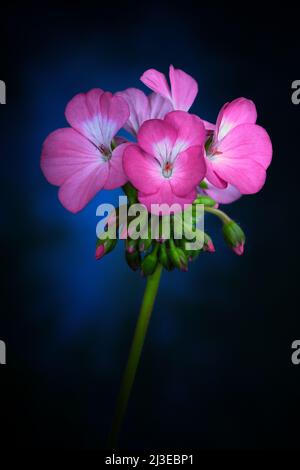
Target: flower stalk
<point x="135" y="354"/>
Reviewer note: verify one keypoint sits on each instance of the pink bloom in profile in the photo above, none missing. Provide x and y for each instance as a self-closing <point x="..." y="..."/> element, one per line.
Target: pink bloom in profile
<point x="81" y="159"/>
<point x="143" y="107"/>
<point x="222" y="196"/>
<point x="181" y="93"/>
<point x="240" y="151"/>
<point x="168" y="162"/>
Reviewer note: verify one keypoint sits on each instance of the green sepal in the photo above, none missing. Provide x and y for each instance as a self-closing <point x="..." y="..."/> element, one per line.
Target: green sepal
<point x="131" y="193"/>
<point x="206" y="200"/>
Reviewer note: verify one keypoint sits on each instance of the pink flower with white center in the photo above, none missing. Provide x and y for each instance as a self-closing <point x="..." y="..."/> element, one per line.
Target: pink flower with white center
<point x="82" y="159"/>
<point x="240" y="151"/>
<point x="167" y="164"/>
<point x="181" y="93"/>
<point x="143" y="107"/>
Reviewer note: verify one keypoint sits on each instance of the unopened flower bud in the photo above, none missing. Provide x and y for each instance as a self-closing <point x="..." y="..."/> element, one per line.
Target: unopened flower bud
<point x="190" y="254"/>
<point x="164" y="258"/>
<point x="178" y="256"/>
<point x="208" y="244"/>
<point x="145" y="243"/>
<point x="150" y="261"/>
<point x="234" y="237"/>
<point x="133" y="260"/>
<point x="131" y="245"/>
<point x="104" y="246"/>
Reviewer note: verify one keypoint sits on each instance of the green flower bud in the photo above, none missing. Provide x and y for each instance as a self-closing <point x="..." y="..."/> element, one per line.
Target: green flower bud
<point x="133" y="260"/>
<point x="164" y="258"/>
<point x="190" y="254"/>
<point x="145" y="243"/>
<point x="104" y="246"/>
<point x="178" y="256"/>
<point x="131" y="245"/>
<point x="208" y="244"/>
<point x="150" y="261"/>
<point x="234" y="237"/>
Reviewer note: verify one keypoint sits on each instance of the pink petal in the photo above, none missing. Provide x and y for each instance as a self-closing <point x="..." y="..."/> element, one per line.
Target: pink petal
<point x="157" y="82"/>
<point x="209" y="127"/>
<point x="142" y="170"/>
<point x="239" y="111"/>
<point x="117" y="176"/>
<point x="243" y="156"/>
<point x="97" y="115"/>
<point x="114" y="112"/>
<point x="157" y="138"/>
<point x="247" y="141"/>
<point x="184" y="89"/>
<point x="81" y="110"/>
<point x="247" y="175"/>
<point x="189" y="170"/>
<point x="165" y="195"/>
<point x="82" y="186"/>
<point x="139" y="108"/>
<point x="65" y="152"/>
<point x="223" y="196"/>
<point x="213" y="177"/>
<point x="159" y="106"/>
<point x="189" y="127"/>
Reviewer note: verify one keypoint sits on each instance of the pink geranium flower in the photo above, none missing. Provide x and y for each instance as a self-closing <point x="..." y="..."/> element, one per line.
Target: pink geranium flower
<point x="240" y="151"/>
<point x="143" y="107"/>
<point x="168" y="162"/>
<point x="85" y="158"/>
<point x="181" y="93"/>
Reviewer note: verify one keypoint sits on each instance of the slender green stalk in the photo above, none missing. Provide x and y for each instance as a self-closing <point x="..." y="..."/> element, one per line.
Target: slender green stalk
<point x="222" y="216"/>
<point x="135" y="354"/>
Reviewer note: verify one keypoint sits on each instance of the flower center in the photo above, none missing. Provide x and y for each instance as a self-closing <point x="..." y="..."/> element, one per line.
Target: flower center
<point x="213" y="153"/>
<point x="167" y="169"/>
<point x="105" y="152"/>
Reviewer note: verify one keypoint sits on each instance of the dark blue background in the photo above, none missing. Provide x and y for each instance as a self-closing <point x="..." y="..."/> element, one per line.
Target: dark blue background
<point x="216" y="369"/>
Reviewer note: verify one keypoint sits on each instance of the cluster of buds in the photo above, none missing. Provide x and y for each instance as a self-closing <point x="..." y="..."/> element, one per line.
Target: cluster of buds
<point x="145" y="252"/>
<point x="170" y="254"/>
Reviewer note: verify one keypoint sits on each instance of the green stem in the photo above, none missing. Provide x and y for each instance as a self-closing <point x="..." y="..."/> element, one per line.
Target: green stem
<point x="135" y="353"/>
<point x="222" y="216"/>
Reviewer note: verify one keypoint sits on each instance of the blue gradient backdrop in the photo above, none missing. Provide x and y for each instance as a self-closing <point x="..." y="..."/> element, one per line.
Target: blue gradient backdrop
<point x="216" y="365"/>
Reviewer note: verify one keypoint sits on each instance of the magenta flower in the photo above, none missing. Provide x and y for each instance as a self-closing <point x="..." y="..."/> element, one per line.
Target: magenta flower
<point x="240" y="151"/>
<point x="182" y="92"/>
<point x="168" y="163"/>
<point x="81" y="159"/>
<point x="143" y="107"/>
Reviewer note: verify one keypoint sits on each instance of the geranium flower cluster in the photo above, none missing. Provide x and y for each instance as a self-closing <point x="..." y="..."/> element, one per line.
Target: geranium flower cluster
<point x="176" y="156"/>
